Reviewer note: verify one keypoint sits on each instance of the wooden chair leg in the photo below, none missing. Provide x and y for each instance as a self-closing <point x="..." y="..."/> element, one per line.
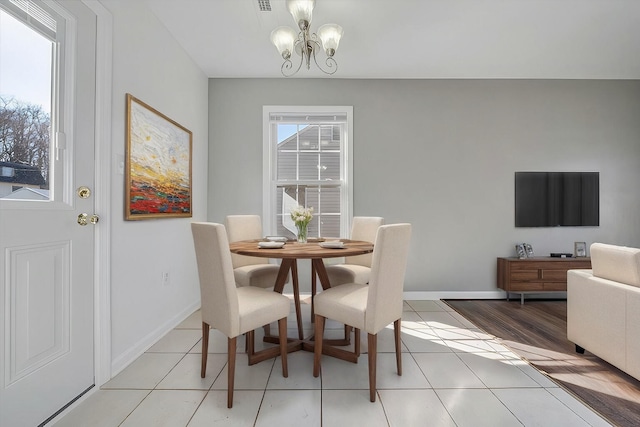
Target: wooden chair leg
<point x="356" y="345"/>
<point x="314" y="290"/>
<point x="282" y="327"/>
<point x="205" y="349"/>
<point x="296" y="297"/>
<point x="347" y="332"/>
<point x="250" y="343"/>
<point x="231" y="371"/>
<point x="317" y="349"/>
<point x="372" y="353"/>
<point x="396" y="331"/>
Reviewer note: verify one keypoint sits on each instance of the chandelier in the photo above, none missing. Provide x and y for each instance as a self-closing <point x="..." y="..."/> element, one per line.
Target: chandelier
<point x="306" y="45"/>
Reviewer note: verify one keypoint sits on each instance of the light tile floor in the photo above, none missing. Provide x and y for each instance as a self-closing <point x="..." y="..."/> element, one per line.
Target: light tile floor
<point x="454" y="374"/>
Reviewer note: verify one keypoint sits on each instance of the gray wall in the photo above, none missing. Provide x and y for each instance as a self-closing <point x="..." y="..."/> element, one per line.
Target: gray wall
<point x="441" y="154"/>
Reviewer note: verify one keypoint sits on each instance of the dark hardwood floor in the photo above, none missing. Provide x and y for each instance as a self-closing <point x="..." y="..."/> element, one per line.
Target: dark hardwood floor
<point x="537" y="331"/>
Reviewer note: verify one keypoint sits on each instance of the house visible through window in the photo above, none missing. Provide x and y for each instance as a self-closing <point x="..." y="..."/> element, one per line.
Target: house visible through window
<point x="31" y="39"/>
<point x="308" y="164"/>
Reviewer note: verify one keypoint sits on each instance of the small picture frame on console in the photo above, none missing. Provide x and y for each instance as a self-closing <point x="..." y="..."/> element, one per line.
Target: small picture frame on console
<point x="580" y="249"/>
<point x="521" y="251"/>
<point x="529" y="250"/>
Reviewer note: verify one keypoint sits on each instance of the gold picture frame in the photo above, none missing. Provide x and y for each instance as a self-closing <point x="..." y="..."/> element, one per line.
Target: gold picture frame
<point x="158" y="164"/>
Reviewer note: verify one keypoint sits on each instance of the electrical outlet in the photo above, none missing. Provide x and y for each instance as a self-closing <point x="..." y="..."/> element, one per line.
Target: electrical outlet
<point x="165" y="278"/>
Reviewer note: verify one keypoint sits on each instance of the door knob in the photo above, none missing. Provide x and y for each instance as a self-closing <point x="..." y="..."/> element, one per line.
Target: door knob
<point x="84" y="219"/>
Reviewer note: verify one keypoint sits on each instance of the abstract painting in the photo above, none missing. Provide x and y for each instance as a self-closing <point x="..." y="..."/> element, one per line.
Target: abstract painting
<point x="158" y="169"/>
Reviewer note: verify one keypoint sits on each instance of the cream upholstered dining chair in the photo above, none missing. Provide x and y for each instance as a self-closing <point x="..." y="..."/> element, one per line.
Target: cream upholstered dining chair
<point x="255" y="271"/>
<point x="230" y="309"/>
<point x="356" y="269"/>
<point x="372" y="307"/>
<point x="249" y="271"/>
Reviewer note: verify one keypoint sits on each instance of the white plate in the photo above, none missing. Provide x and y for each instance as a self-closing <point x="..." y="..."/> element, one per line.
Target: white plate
<point x="332" y="245"/>
<point x="270" y="245"/>
<point x="276" y="238"/>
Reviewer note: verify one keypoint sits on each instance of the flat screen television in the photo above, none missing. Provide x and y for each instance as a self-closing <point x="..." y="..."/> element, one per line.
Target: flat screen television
<point x="551" y="199"/>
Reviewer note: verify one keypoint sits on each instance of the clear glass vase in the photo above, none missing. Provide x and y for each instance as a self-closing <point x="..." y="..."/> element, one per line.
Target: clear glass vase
<point x="302" y="232"/>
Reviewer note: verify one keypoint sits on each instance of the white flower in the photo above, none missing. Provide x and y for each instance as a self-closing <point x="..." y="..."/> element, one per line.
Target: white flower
<point x="301" y="215"/>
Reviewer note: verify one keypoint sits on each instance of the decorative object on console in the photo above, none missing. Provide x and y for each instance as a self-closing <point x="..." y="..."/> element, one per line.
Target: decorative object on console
<point x="306" y="45"/>
<point x="529" y="250"/>
<point x="560" y="255"/>
<point x="524" y="250"/>
<point x="580" y="249"/>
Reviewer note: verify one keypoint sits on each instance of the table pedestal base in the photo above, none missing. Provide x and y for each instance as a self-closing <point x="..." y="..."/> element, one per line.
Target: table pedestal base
<point x="308" y="344"/>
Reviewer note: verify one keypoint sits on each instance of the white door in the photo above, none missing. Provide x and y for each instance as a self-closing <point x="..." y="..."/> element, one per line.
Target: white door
<point x="47" y="260"/>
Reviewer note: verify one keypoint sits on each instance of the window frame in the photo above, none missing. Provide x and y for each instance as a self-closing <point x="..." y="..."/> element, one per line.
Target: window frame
<point x="269" y="169"/>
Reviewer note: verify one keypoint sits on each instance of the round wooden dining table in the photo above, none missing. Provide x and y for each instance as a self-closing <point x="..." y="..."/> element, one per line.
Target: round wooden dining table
<point x="290" y="253"/>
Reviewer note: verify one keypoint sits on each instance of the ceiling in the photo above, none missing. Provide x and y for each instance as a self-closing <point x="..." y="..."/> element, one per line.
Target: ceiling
<point x="421" y="39"/>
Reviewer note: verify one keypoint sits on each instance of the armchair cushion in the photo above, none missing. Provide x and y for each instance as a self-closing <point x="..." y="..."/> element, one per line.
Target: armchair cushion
<point x="617" y="263"/>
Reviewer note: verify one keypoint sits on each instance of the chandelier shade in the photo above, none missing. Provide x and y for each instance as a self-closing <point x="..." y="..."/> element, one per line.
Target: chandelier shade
<point x="283" y="38"/>
<point x="302" y="11"/>
<point x="330" y="35"/>
<point x="306" y="44"/>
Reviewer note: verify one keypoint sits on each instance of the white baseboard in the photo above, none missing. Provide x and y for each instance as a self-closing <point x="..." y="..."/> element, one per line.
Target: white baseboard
<point x="437" y="295"/>
<point x="126" y="358"/>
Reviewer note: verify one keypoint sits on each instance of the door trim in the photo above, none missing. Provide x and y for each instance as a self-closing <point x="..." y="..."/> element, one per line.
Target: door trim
<point x="102" y="260"/>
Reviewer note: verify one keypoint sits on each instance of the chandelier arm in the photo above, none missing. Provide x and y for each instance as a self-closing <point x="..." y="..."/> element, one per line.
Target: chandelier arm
<point x="287" y="66"/>
<point x="331" y="64"/>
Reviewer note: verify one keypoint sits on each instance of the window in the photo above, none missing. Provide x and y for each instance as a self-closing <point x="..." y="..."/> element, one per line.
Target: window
<point x="307" y="154"/>
<point x="32" y="42"/>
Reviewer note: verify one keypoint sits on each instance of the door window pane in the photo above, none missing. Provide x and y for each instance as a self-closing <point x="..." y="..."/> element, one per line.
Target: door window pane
<point x="26" y="64"/>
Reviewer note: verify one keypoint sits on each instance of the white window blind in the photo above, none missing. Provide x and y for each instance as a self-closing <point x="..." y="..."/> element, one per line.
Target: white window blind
<point x="34" y="15"/>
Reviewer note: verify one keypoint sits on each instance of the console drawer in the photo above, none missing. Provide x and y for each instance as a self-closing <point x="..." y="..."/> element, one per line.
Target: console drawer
<point x="524" y="275"/>
<point x="526" y="286"/>
<point x="554" y="275"/>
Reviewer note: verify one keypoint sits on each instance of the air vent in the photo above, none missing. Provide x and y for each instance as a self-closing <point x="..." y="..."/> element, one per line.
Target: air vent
<point x="264" y="5"/>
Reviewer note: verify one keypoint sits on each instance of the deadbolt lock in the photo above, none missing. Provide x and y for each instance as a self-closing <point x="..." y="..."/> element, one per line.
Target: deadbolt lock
<point x="83" y="192"/>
